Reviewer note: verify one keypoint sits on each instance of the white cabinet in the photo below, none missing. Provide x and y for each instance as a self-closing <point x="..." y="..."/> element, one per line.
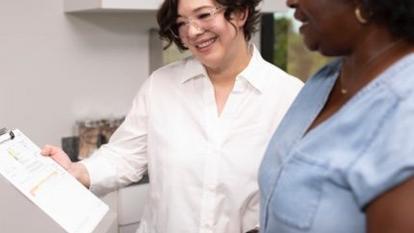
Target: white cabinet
<point x="142" y="5"/>
<point x="128" y="203"/>
<point x="131" y="203"/>
<point x="111" y="5"/>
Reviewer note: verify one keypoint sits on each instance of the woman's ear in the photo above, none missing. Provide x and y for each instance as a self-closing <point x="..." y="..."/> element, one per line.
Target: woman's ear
<point x="240" y="17"/>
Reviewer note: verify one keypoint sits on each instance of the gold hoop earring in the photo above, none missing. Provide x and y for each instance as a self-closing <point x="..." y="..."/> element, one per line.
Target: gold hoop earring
<point x="359" y="16"/>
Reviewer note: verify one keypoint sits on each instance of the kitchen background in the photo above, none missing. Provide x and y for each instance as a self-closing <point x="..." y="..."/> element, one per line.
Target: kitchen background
<point x="58" y="68"/>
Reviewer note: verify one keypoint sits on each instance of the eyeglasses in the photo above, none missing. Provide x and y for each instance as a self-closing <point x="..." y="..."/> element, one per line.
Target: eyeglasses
<point x="202" y="20"/>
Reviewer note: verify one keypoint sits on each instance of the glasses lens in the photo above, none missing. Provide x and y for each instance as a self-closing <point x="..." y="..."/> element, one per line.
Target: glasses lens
<point x="202" y="20"/>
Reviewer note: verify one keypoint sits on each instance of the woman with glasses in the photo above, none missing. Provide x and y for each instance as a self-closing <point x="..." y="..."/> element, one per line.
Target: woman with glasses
<point x="342" y="160"/>
<point x="199" y="126"/>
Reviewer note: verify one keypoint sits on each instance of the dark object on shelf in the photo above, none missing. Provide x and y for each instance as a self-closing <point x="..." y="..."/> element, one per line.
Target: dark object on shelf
<point x="95" y="133"/>
<point x="70" y="145"/>
<point x="101" y="140"/>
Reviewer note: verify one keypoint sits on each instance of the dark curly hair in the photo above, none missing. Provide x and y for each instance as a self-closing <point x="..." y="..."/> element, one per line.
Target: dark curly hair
<point x="396" y="15"/>
<point x="168" y="12"/>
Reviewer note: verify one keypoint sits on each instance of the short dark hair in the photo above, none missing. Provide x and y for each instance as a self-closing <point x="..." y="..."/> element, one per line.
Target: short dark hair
<point x="168" y="12"/>
<point x="396" y="15"/>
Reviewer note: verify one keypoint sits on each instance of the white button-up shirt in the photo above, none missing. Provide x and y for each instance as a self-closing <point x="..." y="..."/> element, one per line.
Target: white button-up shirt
<point x="202" y="165"/>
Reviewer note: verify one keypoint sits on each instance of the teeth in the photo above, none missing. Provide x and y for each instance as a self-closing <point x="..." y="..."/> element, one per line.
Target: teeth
<point x="205" y="44"/>
<point x="305" y="23"/>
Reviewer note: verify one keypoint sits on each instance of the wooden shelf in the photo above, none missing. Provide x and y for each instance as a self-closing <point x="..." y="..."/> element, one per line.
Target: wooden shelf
<point x="141" y="5"/>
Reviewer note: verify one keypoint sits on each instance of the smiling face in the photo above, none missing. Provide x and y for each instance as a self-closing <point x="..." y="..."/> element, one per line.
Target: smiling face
<point x="215" y="43"/>
<point x="328" y="26"/>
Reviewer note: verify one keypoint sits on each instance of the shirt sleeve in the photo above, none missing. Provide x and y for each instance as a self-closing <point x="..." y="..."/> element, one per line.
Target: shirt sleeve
<point x="124" y="159"/>
<point x="387" y="162"/>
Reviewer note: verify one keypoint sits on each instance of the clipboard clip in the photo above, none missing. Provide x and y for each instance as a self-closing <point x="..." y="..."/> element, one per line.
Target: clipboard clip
<point x="4" y="131"/>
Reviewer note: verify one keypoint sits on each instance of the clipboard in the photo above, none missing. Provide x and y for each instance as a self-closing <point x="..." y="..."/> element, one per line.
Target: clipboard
<point x="43" y="190"/>
<point x="4" y="131"/>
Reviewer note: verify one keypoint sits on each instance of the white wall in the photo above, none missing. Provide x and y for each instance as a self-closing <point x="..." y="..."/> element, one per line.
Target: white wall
<point x="274" y="5"/>
<point x="56" y="68"/>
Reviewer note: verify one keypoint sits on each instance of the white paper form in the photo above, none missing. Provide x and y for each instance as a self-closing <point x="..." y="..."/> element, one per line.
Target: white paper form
<point x="49" y="186"/>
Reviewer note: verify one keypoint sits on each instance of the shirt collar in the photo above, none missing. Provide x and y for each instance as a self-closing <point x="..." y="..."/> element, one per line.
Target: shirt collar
<point x="194" y="69"/>
<point x="252" y="72"/>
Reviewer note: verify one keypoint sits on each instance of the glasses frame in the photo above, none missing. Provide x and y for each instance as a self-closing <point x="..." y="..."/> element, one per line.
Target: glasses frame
<point x="193" y="20"/>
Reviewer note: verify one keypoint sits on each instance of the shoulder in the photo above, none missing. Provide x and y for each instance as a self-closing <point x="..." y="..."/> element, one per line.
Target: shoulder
<point x="399" y="78"/>
<point x="327" y="70"/>
<point x="322" y="79"/>
<point x="401" y="121"/>
<point x="166" y="76"/>
<point x="272" y="76"/>
<point x="176" y="70"/>
<point x="278" y="79"/>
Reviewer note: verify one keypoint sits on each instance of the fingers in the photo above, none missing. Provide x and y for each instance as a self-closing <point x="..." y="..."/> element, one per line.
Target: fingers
<point x="49" y="150"/>
<point x="58" y="155"/>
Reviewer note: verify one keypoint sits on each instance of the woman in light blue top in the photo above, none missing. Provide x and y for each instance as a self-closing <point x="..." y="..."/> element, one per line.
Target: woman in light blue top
<point x="342" y="160"/>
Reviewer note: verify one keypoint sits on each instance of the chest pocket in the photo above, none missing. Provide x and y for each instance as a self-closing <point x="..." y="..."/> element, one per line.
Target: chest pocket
<point x="298" y="191"/>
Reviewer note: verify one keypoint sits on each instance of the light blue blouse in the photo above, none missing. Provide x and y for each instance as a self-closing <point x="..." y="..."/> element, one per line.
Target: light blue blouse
<point x="320" y="182"/>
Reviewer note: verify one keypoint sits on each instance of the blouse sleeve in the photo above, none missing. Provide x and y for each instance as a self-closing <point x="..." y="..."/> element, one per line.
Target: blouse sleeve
<point x="388" y="161"/>
<point x="124" y="159"/>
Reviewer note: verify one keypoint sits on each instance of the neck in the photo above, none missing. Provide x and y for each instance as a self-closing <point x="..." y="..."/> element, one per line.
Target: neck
<point x="371" y="47"/>
<point x="233" y="64"/>
<point x="369" y="60"/>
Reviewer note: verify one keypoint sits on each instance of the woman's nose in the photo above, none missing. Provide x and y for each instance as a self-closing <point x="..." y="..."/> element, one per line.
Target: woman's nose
<point x="194" y="29"/>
